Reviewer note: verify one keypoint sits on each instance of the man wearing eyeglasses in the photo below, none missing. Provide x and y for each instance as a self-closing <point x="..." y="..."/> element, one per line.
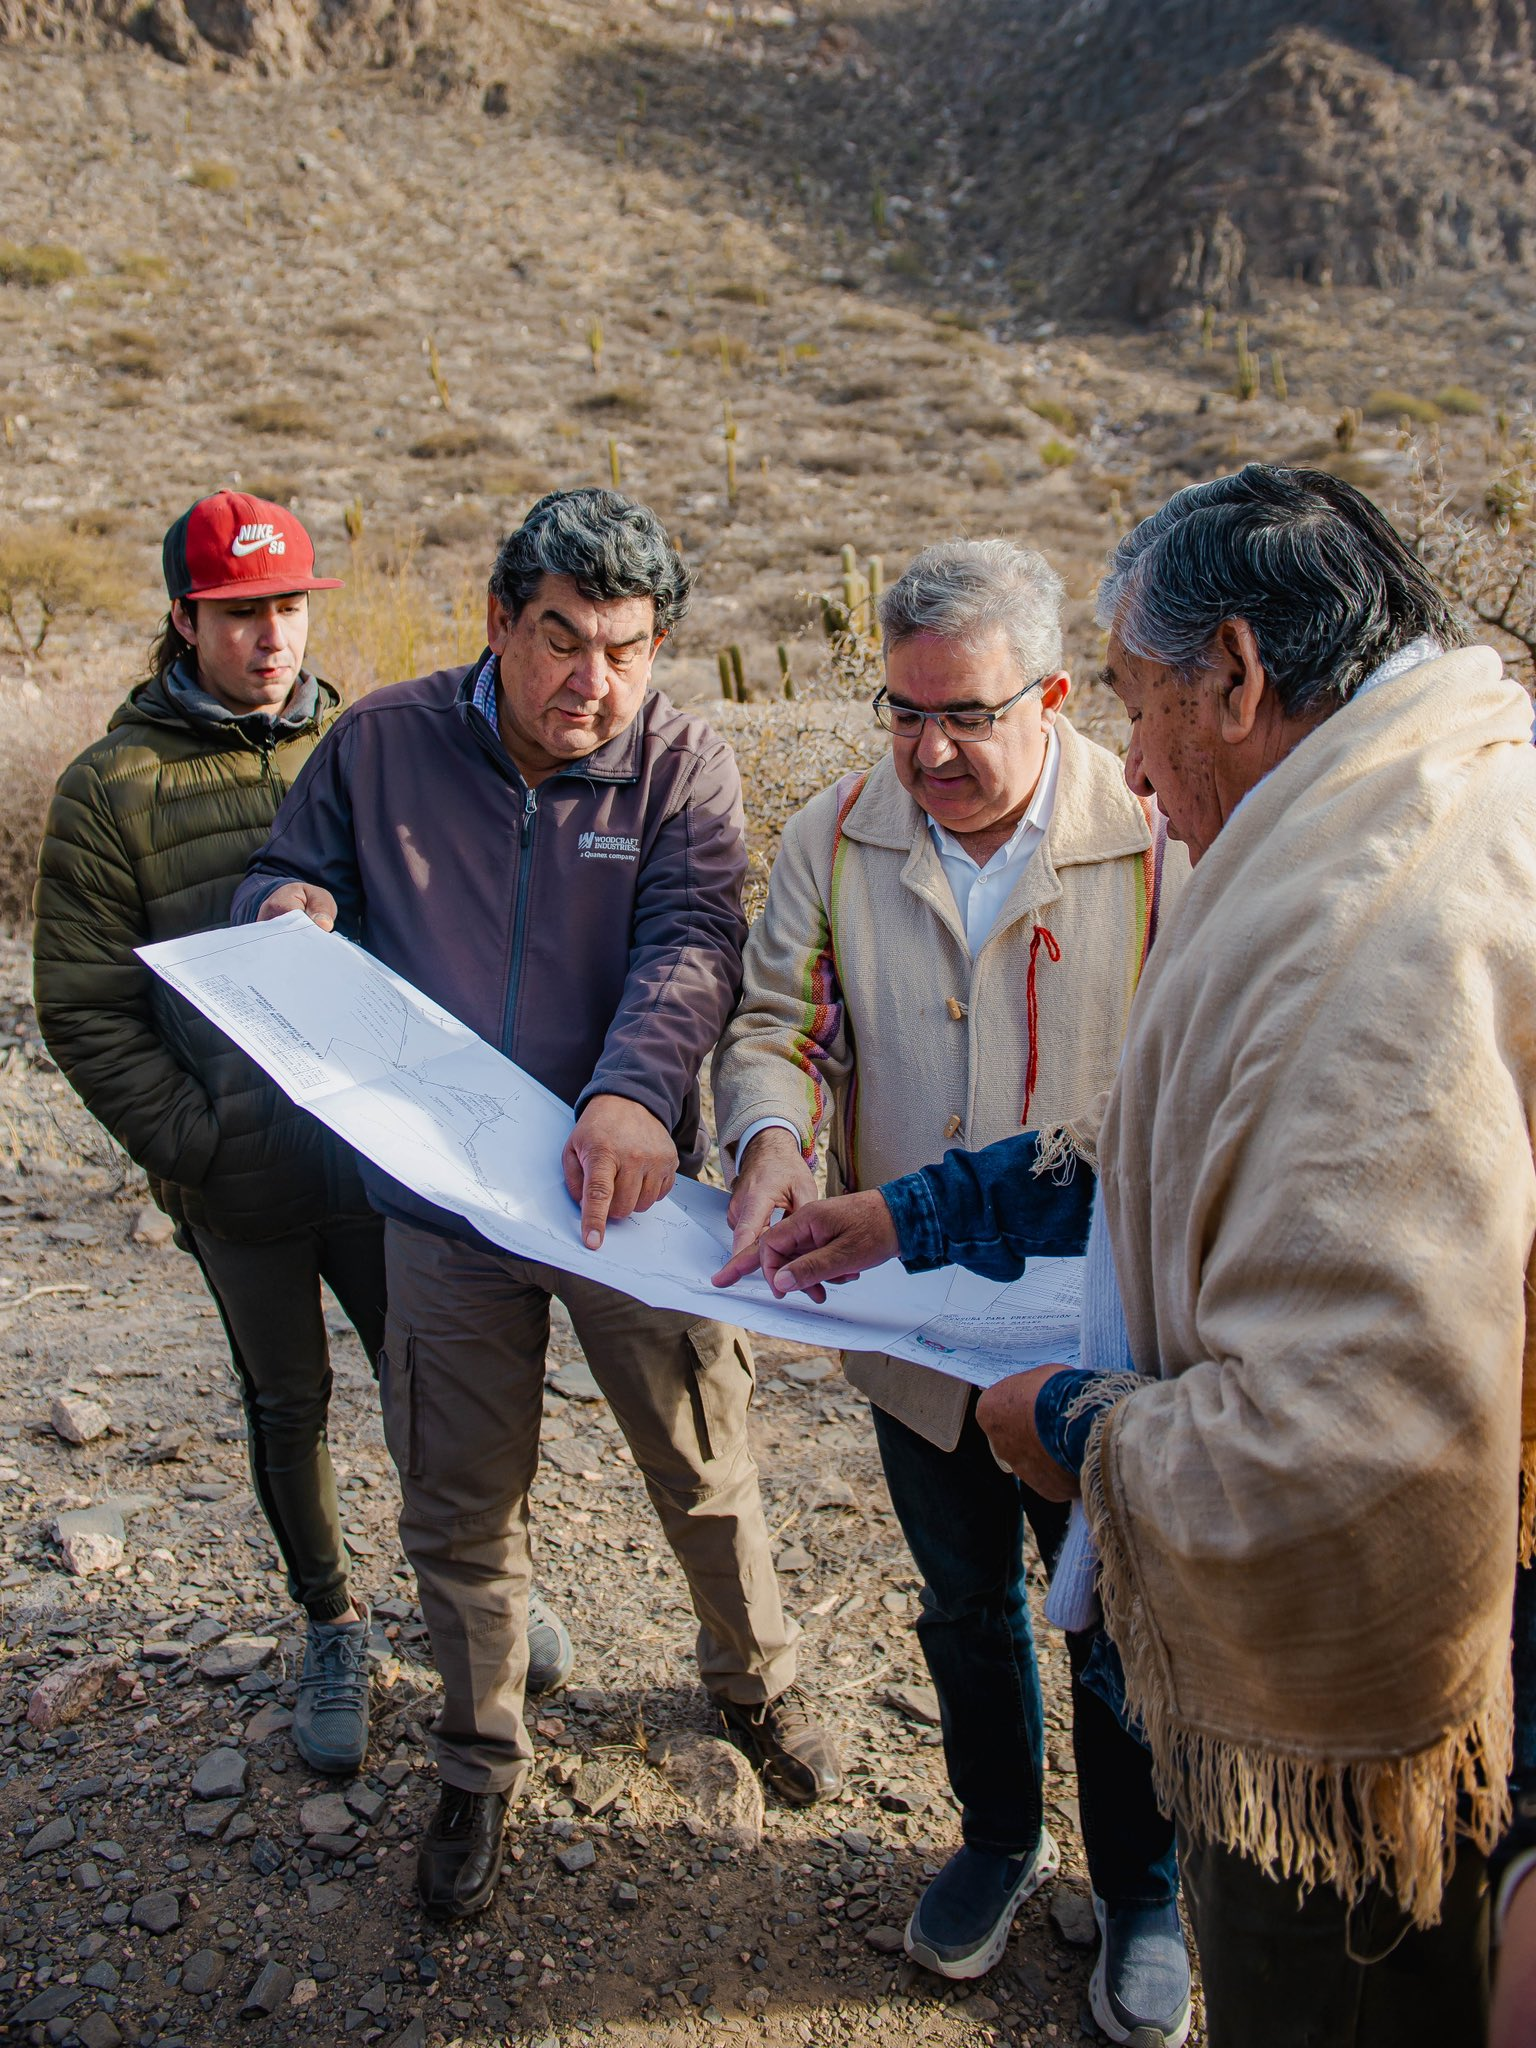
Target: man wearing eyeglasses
<point x="947" y="956"/>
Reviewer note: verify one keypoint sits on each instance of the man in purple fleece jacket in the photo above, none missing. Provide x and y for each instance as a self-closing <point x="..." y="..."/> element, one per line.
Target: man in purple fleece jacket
<point x="552" y="851"/>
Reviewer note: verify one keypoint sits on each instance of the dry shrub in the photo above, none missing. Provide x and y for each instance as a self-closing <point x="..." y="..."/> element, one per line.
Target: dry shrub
<point x="1485" y="560"/>
<point x="1460" y="403"/>
<point x="622" y="401"/>
<point x="41" y="731"/>
<point x="389" y="622"/>
<point x="1057" y="454"/>
<point x="39" y="264"/>
<point x="140" y="266"/>
<point x="131" y="351"/>
<point x="358" y="327"/>
<point x="50" y="569"/>
<point x="463" y="526"/>
<point x="1054" y="411"/>
<point x="276" y="486"/>
<point x="279" y="416"/>
<point x="1401" y="405"/>
<point x="451" y="442"/>
<point x="865" y="391"/>
<point x="213" y="177"/>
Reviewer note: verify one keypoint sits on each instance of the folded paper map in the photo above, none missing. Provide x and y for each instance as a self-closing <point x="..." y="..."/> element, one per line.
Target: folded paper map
<point x="440" y="1110"/>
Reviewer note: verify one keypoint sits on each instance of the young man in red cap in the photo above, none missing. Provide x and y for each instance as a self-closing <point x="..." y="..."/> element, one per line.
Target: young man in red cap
<point x="148" y="833"/>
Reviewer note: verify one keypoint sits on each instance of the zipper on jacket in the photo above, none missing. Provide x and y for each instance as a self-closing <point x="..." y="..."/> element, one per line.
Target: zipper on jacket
<point x="268" y="750"/>
<point x="519" y="920"/>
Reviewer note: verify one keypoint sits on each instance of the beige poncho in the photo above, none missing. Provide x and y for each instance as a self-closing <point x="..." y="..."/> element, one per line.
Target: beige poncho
<point x="1317" y="1170"/>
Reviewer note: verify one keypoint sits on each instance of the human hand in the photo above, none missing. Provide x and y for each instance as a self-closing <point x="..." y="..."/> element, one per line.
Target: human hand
<point x="317" y="904"/>
<point x="773" y="1175"/>
<point x="820" y="1245"/>
<point x="1513" y="2023"/>
<point x="1006" y="1411"/>
<point x="618" y="1161"/>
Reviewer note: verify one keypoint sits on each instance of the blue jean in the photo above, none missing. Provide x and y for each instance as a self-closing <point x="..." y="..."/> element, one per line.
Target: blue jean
<point x="963" y="1518"/>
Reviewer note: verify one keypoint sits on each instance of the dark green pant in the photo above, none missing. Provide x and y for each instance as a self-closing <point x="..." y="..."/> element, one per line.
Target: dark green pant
<point x="268" y="1295"/>
<point x="1281" y="1971"/>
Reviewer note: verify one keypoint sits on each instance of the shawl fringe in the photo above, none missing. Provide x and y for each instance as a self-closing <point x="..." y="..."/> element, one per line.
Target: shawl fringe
<point x="1392" y="1821"/>
<point x="1528" y="1500"/>
<point x="1057" y="1151"/>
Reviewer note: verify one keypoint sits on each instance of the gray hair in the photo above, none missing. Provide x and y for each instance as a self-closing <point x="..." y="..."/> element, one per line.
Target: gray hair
<point x="969" y="589"/>
<point x="609" y="545"/>
<point x="1328" y="585"/>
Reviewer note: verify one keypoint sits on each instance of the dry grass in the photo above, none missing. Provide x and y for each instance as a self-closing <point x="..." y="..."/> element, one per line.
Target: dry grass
<point x="130" y="351"/>
<point x="448" y="444"/>
<point x="279" y="416"/>
<point x="387" y="623"/>
<point x="142" y="267"/>
<point x="213" y="177"/>
<point x="39" y="264"/>
<point x="42" y="728"/>
<point x="1401" y="405"/>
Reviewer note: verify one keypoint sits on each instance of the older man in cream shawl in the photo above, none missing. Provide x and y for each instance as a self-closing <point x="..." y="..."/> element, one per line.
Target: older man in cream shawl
<point x="1316" y="1171"/>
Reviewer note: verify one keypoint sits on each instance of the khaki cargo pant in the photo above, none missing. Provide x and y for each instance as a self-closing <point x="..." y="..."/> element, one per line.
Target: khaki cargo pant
<point x="462" y="1384"/>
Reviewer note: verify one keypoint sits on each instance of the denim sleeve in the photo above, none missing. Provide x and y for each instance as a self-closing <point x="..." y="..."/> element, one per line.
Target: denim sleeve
<point x="988" y="1211"/>
<point x="1087" y="1395"/>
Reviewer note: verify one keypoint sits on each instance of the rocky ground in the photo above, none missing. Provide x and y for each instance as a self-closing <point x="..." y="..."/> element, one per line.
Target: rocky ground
<point x="169" y="1870"/>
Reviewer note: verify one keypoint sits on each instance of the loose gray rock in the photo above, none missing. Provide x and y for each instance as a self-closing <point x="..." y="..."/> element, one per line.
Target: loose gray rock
<point x="794" y="1557"/>
<point x="917" y="1702"/>
<point x="717" y="1785"/>
<point x="69" y="1694"/>
<point x="855" y="1843"/>
<point x="265" y="1857"/>
<point x="77" y="1419"/>
<point x="202" y="1972"/>
<point x="206" y="1817"/>
<point x="415" y="2036"/>
<point x="270" y="1990"/>
<point x="156" y="1912"/>
<point x="237" y="1657"/>
<point x="885" y="1941"/>
<point x="325" y="1898"/>
<point x="574" y="1454"/>
<point x="1072" y="1916"/>
<point x="268" y="1722"/>
<point x="576" y="1383"/>
<point x="88" y="1552"/>
<point x="624" y="1897"/>
<point x="49" y="2004"/>
<point x="220" y="1775"/>
<point x="326" y="1814"/>
<point x="579" y="1856"/>
<point x="833" y="1492"/>
<point x="103" y="1520"/>
<point x="153" y="1227"/>
<point x="98" y="2030"/>
<point x="240" y="1827"/>
<point x="808" y="1371"/>
<point x="594" y="1789"/>
<point x="53" y="1834"/>
<point x="364" y="1802"/>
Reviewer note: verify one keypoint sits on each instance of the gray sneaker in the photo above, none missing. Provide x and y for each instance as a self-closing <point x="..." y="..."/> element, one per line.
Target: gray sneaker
<point x="1139" y="1993"/>
<point x="551" y="1659"/>
<point x="330" y="1716"/>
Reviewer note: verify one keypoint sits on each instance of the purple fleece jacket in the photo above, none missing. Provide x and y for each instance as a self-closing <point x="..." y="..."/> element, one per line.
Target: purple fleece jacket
<point x="590" y="928"/>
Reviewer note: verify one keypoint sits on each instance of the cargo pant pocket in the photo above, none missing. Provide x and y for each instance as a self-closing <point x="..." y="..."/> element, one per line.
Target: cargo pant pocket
<point x="399" y="1401"/>
<point x="724" y="1380"/>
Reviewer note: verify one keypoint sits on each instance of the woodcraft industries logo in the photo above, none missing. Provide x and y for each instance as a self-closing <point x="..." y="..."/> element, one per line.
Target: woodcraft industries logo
<point x="607" y="846"/>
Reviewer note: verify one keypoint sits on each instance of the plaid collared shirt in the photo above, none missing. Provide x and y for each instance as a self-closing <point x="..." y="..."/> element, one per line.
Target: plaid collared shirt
<point x="483" y="696"/>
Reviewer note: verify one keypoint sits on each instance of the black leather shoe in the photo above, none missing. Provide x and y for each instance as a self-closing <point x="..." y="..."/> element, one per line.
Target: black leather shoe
<point x="796" y="1755"/>
<point x="460" y="1856"/>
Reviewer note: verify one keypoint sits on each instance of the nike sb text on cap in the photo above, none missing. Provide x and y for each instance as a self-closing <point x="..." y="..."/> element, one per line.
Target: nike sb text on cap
<point x="233" y="545"/>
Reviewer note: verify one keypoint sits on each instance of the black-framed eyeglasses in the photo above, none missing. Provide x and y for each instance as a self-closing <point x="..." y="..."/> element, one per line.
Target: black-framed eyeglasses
<point x="964" y="728"/>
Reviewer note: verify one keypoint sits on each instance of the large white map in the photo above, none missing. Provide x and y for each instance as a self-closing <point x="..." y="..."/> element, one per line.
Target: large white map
<point x="448" y="1115"/>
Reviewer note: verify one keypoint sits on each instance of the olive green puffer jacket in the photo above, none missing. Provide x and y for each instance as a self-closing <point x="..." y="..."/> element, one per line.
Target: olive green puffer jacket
<point x="147" y="835"/>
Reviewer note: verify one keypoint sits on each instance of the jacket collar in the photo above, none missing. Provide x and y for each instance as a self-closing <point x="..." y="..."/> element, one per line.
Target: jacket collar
<point x="1095" y="818"/>
<point x="617" y="760"/>
<point x="156" y="703"/>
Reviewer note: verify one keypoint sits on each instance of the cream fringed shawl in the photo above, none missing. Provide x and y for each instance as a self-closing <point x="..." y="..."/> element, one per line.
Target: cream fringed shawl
<point x="1317" y="1169"/>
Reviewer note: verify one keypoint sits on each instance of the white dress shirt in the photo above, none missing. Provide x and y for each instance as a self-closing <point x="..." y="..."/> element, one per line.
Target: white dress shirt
<point x="979" y="892"/>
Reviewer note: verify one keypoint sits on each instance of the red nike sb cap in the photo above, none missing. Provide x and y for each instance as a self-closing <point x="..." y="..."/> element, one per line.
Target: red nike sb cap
<point x="234" y="545"/>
